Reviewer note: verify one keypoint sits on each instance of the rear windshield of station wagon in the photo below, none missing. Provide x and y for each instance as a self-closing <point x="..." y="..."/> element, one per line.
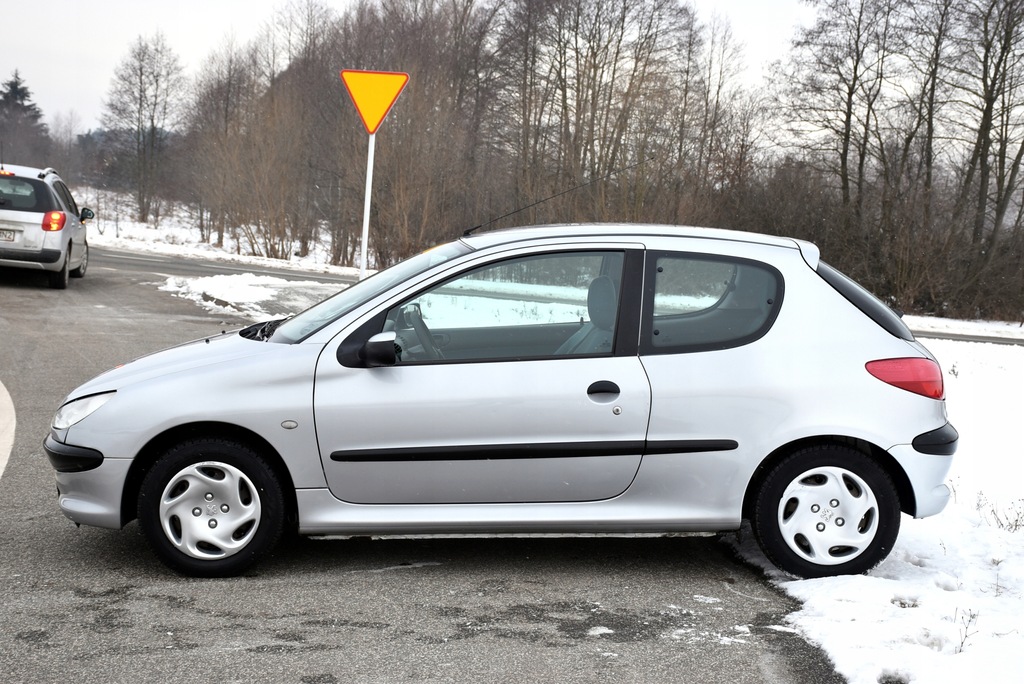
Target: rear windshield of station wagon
<point x="25" y="194"/>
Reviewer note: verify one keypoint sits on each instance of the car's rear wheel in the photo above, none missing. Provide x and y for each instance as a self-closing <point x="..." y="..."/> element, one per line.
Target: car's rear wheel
<point x="59" y="279"/>
<point x="826" y="510"/>
<point x="83" y="265"/>
<point x="211" y="508"/>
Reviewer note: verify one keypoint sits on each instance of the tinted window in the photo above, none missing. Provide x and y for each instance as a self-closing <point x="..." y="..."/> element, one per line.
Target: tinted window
<point x="530" y="307"/>
<point x="697" y="302"/>
<point x="65" y="195"/>
<point x="25" y="194"/>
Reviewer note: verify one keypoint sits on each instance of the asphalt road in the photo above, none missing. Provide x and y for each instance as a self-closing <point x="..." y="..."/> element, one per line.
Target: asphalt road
<point x="89" y="605"/>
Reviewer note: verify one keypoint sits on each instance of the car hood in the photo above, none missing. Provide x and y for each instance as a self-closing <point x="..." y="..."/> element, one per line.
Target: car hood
<point x="198" y="353"/>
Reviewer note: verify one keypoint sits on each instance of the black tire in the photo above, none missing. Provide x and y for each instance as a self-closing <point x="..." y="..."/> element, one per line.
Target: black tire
<point x="826" y="510"/>
<point x="59" y="279"/>
<point x="211" y="508"/>
<point x="83" y="266"/>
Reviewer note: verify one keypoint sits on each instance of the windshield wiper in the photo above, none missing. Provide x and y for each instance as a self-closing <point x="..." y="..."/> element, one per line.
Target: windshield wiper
<point x="261" y="331"/>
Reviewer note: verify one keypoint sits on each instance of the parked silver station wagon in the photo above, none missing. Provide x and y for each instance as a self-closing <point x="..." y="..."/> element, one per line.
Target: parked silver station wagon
<point x="41" y="226"/>
<point x="593" y="378"/>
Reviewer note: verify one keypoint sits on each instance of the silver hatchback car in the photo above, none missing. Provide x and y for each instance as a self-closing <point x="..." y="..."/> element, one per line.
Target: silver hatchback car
<point x="41" y="226"/>
<point x="604" y="378"/>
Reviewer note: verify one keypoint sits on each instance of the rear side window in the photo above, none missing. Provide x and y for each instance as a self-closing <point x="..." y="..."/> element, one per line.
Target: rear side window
<point x="696" y="302"/>
<point x="871" y="306"/>
<point x="25" y="194"/>
<point x="65" y="195"/>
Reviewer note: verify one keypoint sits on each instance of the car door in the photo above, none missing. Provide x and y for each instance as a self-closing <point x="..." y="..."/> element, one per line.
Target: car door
<point x="718" y="378"/>
<point x="515" y="381"/>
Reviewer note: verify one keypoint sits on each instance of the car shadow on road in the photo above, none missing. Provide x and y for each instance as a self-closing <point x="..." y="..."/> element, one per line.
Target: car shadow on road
<point x="15" y="278"/>
<point x="577" y="554"/>
<point x="126" y="551"/>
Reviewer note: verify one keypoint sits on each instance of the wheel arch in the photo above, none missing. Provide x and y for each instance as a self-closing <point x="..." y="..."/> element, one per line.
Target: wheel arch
<point x="150" y="453"/>
<point x="908" y="503"/>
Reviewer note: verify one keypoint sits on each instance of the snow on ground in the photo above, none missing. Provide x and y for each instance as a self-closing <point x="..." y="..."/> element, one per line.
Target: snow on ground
<point x="177" y="235"/>
<point x="944" y="607"/>
<point x="925" y="324"/>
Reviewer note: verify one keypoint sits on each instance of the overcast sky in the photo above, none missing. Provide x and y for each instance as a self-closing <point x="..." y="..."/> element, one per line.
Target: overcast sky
<point x="67" y="50"/>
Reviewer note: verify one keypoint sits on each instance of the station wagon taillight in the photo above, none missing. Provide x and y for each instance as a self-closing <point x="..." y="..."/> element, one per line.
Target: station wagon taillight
<point x="54" y="221"/>
<point x="917" y="375"/>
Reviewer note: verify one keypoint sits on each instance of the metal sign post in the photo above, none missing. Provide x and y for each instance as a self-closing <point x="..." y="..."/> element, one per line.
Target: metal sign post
<point x="373" y="93"/>
<point x="366" y="208"/>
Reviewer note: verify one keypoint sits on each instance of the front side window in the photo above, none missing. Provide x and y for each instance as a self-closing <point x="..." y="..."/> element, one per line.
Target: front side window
<point x="699" y="302"/>
<point x="524" y="308"/>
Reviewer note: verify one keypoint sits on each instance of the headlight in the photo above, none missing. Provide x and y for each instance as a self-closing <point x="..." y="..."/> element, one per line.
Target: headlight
<point x="74" y="411"/>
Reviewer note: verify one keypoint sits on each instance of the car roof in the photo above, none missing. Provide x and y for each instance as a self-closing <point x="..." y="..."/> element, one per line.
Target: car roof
<point x="493" y="238"/>
<point x="29" y="171"/>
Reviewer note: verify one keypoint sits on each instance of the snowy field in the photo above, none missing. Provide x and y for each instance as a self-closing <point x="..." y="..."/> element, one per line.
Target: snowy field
<point x="945" y="606"/>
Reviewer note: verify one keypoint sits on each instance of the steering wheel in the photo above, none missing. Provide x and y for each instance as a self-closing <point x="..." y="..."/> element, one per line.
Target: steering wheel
<point x="415" y="319"/>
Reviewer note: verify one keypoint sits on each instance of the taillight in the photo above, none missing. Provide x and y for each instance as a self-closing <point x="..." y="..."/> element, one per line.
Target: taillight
<point x="917" y="375"/>
<point x="54" y="221"/>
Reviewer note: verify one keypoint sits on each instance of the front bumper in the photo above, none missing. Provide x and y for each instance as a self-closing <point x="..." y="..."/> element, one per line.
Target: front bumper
<point x="66" y="458"/>
<point x="89" y="486"/>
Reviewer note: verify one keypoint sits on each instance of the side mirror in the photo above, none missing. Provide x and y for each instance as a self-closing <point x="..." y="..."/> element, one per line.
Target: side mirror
<point x="379" y="350"/>
<point x="87" y="214"/>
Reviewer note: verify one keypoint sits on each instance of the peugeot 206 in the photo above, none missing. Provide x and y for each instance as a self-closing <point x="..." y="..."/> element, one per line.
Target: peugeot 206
<point x="559" y="379"/>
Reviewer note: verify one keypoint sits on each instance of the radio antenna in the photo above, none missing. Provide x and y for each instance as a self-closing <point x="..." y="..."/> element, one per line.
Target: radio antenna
<point x="556" y="195"/>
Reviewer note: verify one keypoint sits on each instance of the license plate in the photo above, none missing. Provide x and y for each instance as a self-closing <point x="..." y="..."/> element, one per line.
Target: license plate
<point x="6" y="236"/>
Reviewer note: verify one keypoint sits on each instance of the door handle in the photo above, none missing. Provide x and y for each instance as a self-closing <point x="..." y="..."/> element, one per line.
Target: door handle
<point x="603" y="387"/>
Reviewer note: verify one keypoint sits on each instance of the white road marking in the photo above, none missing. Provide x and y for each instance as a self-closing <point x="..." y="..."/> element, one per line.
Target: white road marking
<point x="7" y="423"/>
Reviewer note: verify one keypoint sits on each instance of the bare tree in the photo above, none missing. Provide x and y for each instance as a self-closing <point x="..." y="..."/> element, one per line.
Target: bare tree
<point x="142" y="110"/>
<point x="897" y="145"/>
<point x="836" y="76"/>
<point x="990" y="78"/>
<point x="65" y="152"/>
<point x="223" y="93"/>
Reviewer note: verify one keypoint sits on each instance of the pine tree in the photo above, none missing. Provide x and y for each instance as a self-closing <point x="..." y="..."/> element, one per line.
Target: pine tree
<point x="24" y="135"/>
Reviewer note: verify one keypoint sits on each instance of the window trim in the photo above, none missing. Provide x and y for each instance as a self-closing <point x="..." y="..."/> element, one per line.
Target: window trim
<point x="646" y="345"/>
<point x="862" y="298"/>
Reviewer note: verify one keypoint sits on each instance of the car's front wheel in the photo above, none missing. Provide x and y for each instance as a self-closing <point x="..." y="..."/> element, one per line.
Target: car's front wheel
<point x="211" y="508"/>
<point x="826" y="510"/>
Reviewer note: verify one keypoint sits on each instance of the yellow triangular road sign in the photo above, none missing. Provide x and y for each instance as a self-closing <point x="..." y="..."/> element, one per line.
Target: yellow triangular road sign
<point x="373" y="93"/>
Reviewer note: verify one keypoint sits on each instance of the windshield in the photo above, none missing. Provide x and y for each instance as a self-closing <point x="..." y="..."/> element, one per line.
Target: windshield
<point x="302" y="325"/>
